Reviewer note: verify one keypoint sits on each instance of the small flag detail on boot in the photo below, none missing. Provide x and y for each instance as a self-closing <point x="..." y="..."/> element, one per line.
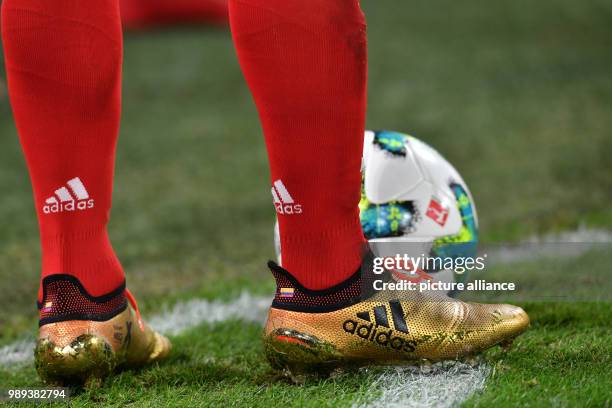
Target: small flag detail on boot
<point x="287" y="292"/>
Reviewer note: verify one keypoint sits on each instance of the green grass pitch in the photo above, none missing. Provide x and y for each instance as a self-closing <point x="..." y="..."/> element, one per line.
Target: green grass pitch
<point x="517" y="94"/>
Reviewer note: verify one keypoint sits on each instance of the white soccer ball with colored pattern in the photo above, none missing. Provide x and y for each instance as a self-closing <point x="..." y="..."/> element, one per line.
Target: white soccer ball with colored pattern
<point x="414" y="202"/>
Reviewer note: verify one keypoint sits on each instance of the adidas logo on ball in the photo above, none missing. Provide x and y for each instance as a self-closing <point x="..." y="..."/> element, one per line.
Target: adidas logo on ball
<point x="283" y="202"/>
<point x="377" y="332"/>
<point x="72" y="197"/>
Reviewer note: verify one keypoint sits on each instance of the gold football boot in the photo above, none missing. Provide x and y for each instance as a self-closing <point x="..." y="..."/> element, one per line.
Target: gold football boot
<point x="82" y="339"/>
<point x="317" y="331"/>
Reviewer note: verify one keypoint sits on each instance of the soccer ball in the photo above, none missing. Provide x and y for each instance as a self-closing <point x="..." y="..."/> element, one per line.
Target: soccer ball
<point x="414" y="202"/>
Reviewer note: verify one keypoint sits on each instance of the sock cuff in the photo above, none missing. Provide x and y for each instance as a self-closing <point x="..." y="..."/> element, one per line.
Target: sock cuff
<point x="65" y="298"/>
<point x="292" y="295"/>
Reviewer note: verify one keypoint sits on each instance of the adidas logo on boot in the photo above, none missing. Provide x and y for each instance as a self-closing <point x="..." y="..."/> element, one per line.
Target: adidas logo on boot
<point x="377" y="332"/>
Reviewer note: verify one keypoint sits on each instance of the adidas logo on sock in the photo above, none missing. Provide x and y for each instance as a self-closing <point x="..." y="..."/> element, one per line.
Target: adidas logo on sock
<point x="283" y="202"/>
<point x="72" y="197"/>
<point x="377" y="332"/>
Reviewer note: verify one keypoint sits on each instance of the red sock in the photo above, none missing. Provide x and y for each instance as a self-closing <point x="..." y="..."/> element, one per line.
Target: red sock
<point x="63" y="62"/>
<point x="306" y="63"/>
<point x="146" y="13"/>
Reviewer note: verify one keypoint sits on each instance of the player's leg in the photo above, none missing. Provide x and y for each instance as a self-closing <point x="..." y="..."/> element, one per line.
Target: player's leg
<point x="305" y="63"/>
<point x="63" y="61"/>
<point x="150" y="13"/>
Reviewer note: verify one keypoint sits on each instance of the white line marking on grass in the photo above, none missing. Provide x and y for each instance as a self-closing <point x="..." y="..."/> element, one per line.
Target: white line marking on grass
<point x="17" y="352"/>
<point x="570" y="244"/>
<point x="441" y="385"/>
<point x="582" y="234"/>
<point x="185" y="315"/>
<point x="182" y="316"/>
